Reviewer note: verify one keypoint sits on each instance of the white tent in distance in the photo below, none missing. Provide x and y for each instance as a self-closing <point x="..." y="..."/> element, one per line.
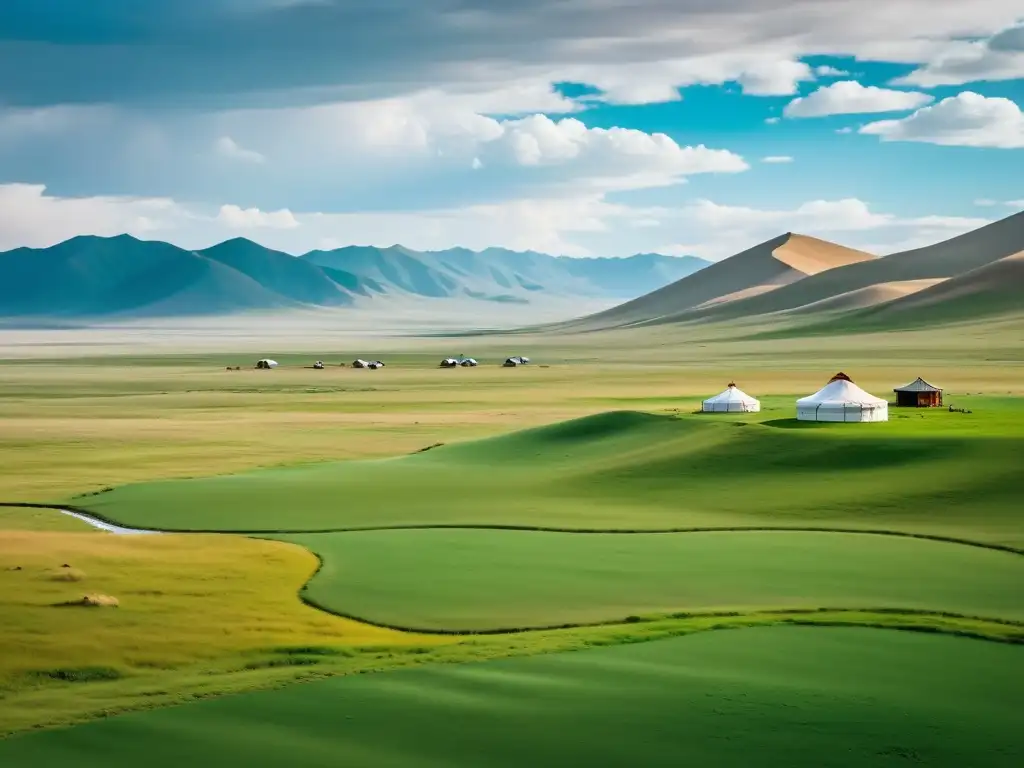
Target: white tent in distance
<point x="732" y="400"/>
<point x="842" y="400"/>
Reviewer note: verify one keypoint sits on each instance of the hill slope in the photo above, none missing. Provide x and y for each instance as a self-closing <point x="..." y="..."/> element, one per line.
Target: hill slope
<point x="993" y="289"/>
<point x="279" y="272"/>
<point x="92" y="276"/>
<point x="761" y="270"/>
<point x="946" y="259"/>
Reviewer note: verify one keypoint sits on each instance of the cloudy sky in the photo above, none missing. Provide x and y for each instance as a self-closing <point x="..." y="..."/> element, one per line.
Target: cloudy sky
<point x="600" y="127"/>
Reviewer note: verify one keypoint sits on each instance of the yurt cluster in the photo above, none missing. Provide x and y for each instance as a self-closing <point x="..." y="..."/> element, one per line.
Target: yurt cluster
<point x="839" y="400"/>
<point x="448" y="362"/>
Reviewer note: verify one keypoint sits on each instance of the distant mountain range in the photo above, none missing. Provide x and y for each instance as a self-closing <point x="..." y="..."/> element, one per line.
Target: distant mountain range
<point x="122" y="276"/>
<point x="802" y="281"/>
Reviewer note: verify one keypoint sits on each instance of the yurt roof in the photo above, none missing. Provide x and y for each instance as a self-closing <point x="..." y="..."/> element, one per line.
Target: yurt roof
<point x="732" y="394"/>
<point x="841" y="390"/>
<point x="918" y="385"/>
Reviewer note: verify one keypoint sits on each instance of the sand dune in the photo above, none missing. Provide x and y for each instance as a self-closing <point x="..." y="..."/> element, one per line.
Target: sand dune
<point x="870" y="296"/>
<point x="947" y="259"/>
<point x="760" y="270"/>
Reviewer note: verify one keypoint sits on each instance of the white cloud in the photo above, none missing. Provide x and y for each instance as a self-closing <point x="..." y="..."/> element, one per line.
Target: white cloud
<point x="1000" y="57"/>
<point x="610" y="158"/>
<point x="772" y="120"/>
<point x="253" y="218"/>
<point x="777" y="159"/>
<point x="848" y="97"/>
<point x="828" y="71"/>
<point x="967" y="120"/>
<point x="584" y="225"/>
<point x="844" y="129"/>
<point x="30" y="217"/>
<point x="716" y="231"/>
<point x="1014" y="203"/>
<point x="228" y="147"/>
<point x="985" y="202"/>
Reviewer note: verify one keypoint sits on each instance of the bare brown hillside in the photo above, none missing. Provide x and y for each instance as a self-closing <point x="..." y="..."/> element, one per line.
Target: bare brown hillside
<point x="758" y="271"/>
<point x="946" y="259"/>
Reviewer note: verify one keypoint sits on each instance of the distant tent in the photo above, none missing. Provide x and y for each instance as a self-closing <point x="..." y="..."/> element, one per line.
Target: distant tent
<point x="842" y="400"/>
<point x="468" y="362"/>
<point x="512" y="362"/>
<point x="449" y="362"/>
<point x="319" y="365"/>
<point x="266" y="363"/>
<point x="375" y="365"/>
<point x="360" y="363"/>
<point x="918" y="394"/>
<point x="732" y="400"/>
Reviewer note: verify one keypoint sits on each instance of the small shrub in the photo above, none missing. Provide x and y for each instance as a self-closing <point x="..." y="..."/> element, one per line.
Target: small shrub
<point x="312" y="650"/>
<point x="80" y="674"/>
<point x="93" y="601"/>
<point x="287" y="661"/>
<point x="68" y="574"/>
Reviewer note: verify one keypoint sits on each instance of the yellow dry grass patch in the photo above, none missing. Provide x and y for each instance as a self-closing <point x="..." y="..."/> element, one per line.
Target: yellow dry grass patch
<point x="181" y="599"/>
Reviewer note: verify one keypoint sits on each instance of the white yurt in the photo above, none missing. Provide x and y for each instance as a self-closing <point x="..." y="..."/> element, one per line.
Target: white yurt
<point x="842" y="400"/>
<point x="265" y="363"/>
<point x="360" y="363"/>
<point x="449" y="362"/>
<point x="468" y="362"/>
<point x="732" y="400"/>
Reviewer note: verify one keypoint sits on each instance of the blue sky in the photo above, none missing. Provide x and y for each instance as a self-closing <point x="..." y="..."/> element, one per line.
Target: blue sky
<point x="567" y="126"/>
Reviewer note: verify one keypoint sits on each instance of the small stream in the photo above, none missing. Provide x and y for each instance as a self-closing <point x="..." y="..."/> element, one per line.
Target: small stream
<point x="103" y="525"/>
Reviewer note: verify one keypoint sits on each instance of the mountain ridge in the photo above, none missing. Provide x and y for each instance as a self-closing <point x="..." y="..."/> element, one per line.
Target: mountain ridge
<point x="123" y="276"/>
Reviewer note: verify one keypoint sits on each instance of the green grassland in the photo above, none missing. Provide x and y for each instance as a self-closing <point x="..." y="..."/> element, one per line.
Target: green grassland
<point x="928" y="472"/>
<point x="485" y="580"/>
<point x="601" y="437"/>
<point x="789" y="696"/>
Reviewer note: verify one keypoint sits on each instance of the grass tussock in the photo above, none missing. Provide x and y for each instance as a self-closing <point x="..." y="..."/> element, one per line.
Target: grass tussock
<point x="68" y="574"/>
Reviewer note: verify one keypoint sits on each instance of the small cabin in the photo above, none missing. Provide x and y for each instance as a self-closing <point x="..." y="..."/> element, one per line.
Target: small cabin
<point x="918" y="394"/>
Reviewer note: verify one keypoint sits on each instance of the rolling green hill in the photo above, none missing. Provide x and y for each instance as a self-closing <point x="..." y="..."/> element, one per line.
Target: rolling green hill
<point x="490" y="580"/>
<point x="787" y="696"/>
<point x="936" y="472"/>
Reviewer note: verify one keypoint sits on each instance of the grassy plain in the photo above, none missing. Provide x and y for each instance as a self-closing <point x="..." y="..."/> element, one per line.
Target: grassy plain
<point x="92" y="419"/>
<point x="789" y="696"/>
<point x="490" y="580"/>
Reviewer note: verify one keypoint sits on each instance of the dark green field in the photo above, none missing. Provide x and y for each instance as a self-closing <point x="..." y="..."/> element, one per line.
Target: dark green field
<point x="938" y="473"/>
<point x="789" y="697"/>
<point x="489" y="580"/>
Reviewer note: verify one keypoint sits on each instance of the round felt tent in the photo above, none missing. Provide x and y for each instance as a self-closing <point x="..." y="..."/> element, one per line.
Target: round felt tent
<point x="732" y="400"/>
<point x="842" y="400"/>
